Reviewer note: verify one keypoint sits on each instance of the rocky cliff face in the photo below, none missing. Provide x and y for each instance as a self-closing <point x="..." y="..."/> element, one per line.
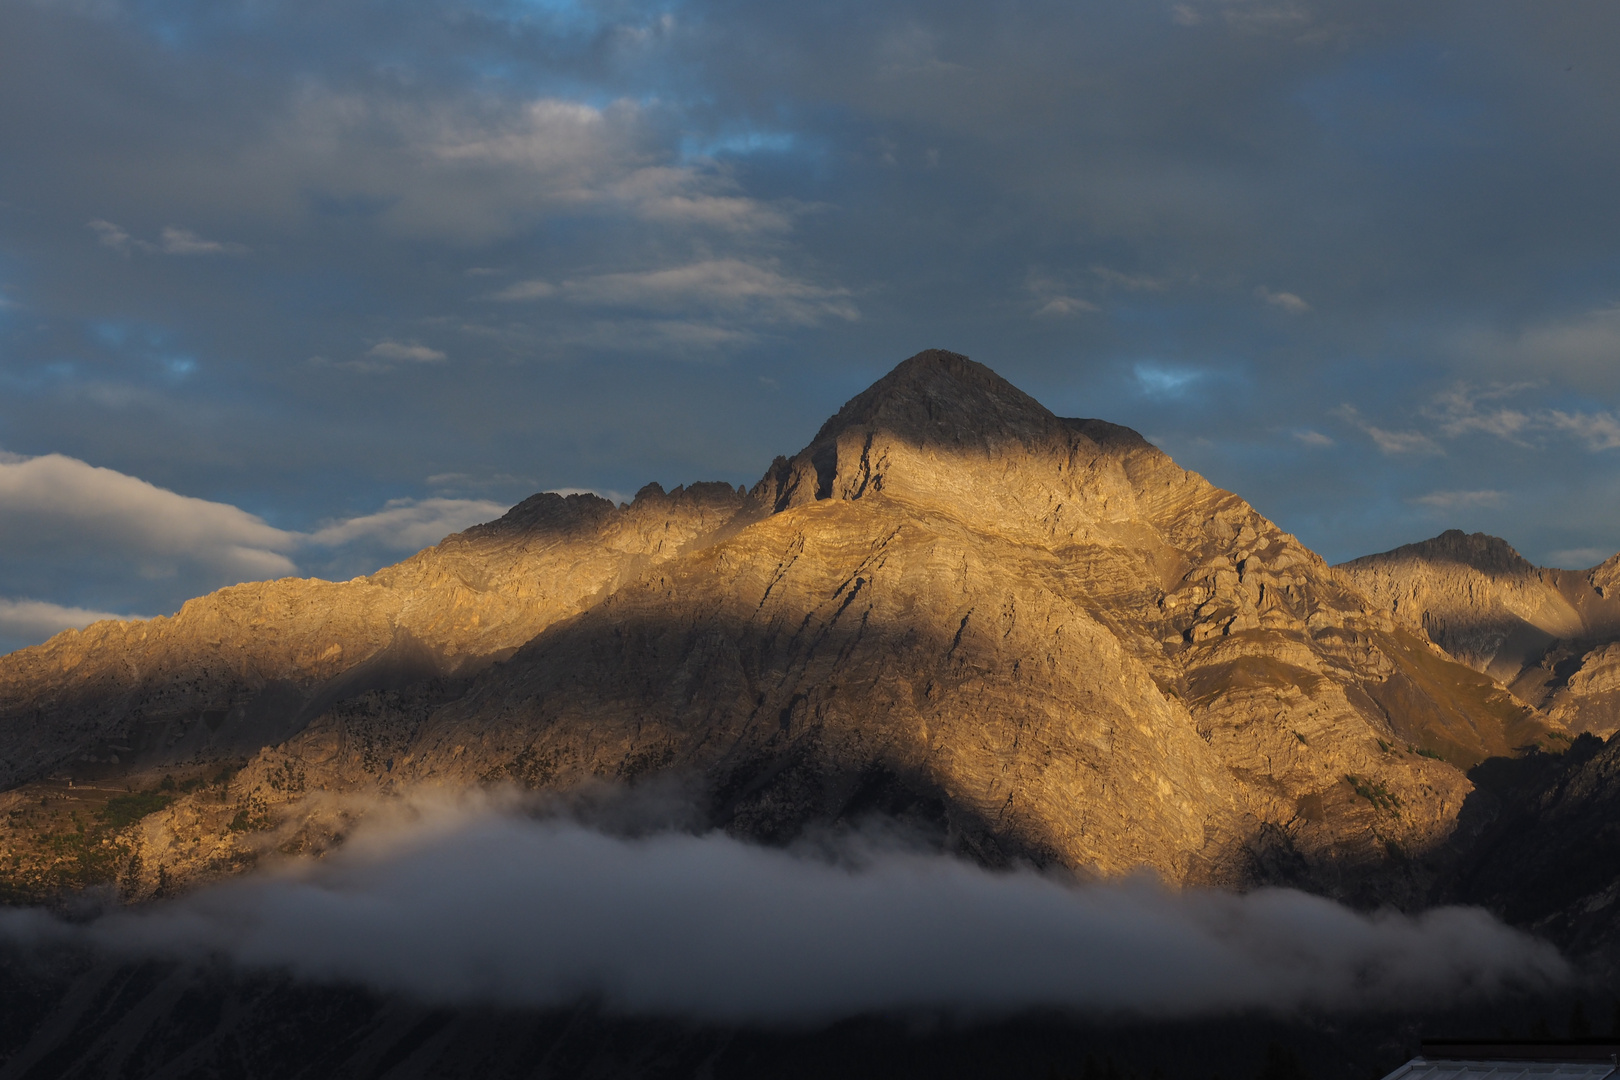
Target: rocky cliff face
<point x="1550" y="635"/>
<point x="1038" y="636"/>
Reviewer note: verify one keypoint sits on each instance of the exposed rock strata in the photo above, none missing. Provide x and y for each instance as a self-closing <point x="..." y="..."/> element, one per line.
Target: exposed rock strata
<point x="1038" y="634"/>
<point x="1550" y="635"/>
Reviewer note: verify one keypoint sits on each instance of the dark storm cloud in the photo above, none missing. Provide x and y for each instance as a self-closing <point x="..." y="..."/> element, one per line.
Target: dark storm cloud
<point x="300" y="258"/>
<point x="475" y="906"/>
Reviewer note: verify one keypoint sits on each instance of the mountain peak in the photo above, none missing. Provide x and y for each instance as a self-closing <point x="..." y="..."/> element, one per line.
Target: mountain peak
<point x="941" y="396"/>
<point x="1479" y="551"/>
<point x="935" y="401"/>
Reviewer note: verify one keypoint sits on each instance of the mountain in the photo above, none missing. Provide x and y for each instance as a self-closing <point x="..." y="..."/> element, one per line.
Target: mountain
<point x="1029" y="636"/>
<point x="1552" y="636"/>
<point x="1536" y="843"/>
<point x="1538" y="847"/>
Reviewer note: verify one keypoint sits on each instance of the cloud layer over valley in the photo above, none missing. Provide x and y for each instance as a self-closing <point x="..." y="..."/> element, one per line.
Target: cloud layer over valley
<point x="470" y="903"/>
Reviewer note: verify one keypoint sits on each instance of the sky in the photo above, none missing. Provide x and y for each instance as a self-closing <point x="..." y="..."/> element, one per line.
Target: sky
<point x="300" y="287"/>
<point x="458" y="902"/>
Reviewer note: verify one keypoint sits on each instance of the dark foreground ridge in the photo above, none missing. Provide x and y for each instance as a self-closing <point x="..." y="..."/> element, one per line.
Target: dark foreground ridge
<point x="72" y="1018"/>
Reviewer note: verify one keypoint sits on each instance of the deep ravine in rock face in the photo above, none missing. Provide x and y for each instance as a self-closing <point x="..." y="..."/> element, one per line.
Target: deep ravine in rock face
<point x="1031" y="637"/>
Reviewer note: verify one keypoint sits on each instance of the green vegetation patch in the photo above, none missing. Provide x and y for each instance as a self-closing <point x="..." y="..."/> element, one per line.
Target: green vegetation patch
<point x="47" y="852"/>
<point x="122" y="811"/>
<point x="1374" y="792"/>
<point x="73" y="855"/>
<point x="252" y="816"/>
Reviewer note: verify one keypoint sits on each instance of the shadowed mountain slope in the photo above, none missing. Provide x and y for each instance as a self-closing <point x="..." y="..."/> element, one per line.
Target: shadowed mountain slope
<point x="1038" y="636"/>
<point x="1538" y="845"/>
<point x="1552" y="636"/>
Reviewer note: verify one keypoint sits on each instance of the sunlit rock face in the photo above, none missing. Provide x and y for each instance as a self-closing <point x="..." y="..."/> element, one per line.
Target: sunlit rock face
<point x="247" y="666"/>
<point x="1030" y="637"/>
<point x="1552" y="636"/>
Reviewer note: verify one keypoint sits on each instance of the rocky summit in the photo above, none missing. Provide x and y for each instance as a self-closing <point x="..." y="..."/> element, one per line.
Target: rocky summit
<point x="1030" y="637"/>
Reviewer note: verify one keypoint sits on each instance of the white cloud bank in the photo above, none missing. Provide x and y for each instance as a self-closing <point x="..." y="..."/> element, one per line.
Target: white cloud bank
<point x="39" y="619"/>
<point x="58" y="511"/>
<point x="409" y="524"/>
<point x="55" y="499"/>
<point x="469" y="907"/>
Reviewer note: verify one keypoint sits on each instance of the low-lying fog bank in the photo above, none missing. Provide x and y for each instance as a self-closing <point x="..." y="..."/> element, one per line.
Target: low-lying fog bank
<point x="480" y="901"/>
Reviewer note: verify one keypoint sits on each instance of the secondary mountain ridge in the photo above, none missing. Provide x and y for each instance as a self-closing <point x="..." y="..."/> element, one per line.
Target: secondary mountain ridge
<point x="1552" y="636"/>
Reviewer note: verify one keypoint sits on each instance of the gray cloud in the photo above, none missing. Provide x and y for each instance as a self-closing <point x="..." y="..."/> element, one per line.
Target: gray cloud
<point x="1285" y="300"/>
<point x="1053" y="296"/>
<point x="471" y="171"/>
<point x="1583" y="349"/>
<point x="1390" y="442"/>
<point x="1497" y="411"/>
<point x="1429" y="179"/>
<point x="1599" y="431"/>
<point x="1448" y="500"/>
<point x="1458" y="412"/>
<point x="759" y="293"/>
<point x="171" y="241"/>
<point x="1580" y="558"/>
<point x="465" y="905"/>
<point x="385" y="354"/>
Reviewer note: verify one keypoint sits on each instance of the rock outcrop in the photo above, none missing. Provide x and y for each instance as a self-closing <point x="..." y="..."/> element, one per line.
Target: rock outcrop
<point x="1552" y="636"/>
<point x="1038" y="636"/>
